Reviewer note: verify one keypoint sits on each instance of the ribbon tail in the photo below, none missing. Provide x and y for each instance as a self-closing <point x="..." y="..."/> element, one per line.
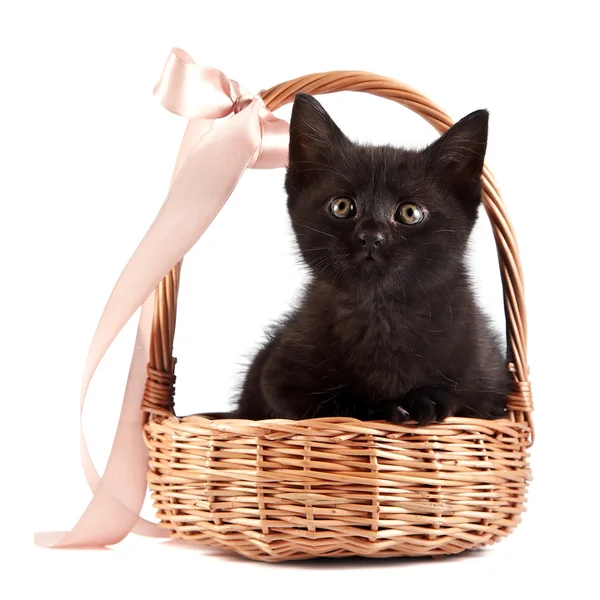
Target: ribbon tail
<point x="109" y="517"/>
<point x="202" y="185"/>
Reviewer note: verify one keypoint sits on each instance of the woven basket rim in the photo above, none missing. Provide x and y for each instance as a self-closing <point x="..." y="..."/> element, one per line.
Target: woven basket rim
<point x="407" y="425"/>
<point x="341" y="426"/>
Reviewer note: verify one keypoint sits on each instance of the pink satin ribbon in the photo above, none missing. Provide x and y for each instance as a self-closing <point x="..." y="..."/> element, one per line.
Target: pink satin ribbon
<point x="210" y="162"/>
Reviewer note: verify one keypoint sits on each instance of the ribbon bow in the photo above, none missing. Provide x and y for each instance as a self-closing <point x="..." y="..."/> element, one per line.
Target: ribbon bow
<point x="210" y="162"/>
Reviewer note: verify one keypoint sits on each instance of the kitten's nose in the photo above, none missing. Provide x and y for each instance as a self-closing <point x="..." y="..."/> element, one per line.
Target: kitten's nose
<point x="371" y="239"/>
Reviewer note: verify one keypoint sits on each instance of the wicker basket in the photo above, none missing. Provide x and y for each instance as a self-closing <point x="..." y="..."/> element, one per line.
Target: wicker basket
<point x="279" y="490"/>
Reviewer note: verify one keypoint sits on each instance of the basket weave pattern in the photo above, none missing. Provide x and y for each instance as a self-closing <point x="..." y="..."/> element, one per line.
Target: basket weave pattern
<point x="278" y="490"/>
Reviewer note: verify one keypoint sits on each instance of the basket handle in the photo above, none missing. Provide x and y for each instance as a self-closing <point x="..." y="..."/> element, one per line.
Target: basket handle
<point x="161" y="378"/>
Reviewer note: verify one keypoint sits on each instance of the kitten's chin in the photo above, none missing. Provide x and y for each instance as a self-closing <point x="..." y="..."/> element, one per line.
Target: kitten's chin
<point x="371" y="268"/>
<point x="369" y="271"/>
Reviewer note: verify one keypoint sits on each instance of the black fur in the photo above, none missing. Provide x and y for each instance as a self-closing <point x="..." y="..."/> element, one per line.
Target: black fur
<point x="390" y="329"/>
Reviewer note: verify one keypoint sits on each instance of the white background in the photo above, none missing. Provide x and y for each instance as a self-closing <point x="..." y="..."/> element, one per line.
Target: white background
<point x="86" y="155"/>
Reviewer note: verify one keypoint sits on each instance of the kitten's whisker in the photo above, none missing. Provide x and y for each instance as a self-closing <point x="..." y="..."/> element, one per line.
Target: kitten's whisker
<point x="448" y="294"/>
<point x="316" y="230"/>
<point x="448" y="379"/>
<point x="427" y="297"/>
<point x="317" y="261"/>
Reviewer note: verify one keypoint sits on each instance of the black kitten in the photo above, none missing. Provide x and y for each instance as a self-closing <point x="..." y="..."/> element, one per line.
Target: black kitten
<point x="388" y="327"/>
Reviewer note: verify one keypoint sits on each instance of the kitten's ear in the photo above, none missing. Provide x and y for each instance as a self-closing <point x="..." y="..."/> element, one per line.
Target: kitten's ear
<point x="460" y="152"/>
<point x="313" y="134"/>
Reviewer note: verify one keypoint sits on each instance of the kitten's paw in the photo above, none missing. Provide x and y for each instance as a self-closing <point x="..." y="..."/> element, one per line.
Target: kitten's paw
<point x="424" y="405"/>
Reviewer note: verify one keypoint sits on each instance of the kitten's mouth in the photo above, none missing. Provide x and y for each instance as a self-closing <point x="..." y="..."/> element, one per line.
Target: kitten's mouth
<point x="367" y="256"/>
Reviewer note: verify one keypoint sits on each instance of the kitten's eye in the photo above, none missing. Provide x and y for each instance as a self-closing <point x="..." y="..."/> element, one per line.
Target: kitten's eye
<point x="342" y="208"/>
<point x="409" y="214"/>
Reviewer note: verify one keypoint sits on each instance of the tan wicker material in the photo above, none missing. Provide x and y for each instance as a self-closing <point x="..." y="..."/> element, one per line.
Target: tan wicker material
<point x="278" y="490"/>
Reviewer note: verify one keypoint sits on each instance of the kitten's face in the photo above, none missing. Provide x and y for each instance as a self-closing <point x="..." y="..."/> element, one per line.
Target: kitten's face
<point x="382" y="216"/>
